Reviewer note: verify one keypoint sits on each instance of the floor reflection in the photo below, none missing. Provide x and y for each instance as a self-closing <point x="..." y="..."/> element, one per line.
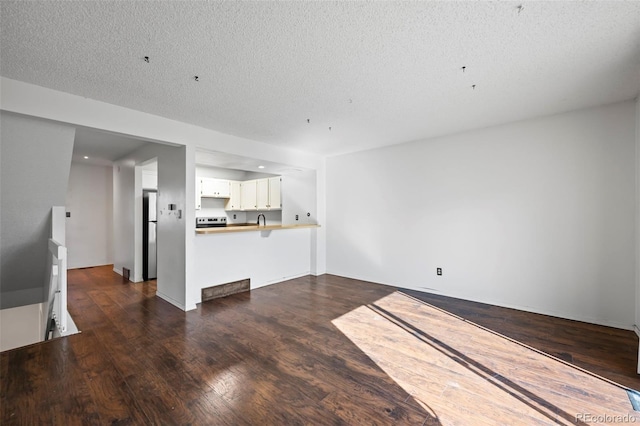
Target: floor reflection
<point x="459" y="371"/>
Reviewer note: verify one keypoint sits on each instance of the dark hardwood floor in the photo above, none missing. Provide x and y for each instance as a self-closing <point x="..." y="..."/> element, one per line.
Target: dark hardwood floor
<point x="314" y="350"/>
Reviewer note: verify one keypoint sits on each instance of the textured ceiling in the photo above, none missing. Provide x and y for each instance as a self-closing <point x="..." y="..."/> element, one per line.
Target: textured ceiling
<point x="377" y="73"/>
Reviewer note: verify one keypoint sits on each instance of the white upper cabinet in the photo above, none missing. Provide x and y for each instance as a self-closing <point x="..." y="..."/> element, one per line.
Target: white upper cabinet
<point x="248" y="195"/>
<point x="268" y="194"/>
<point x="198" y="196"/>
<point x="275" y="198"/>
<point x="263" y="194"/>
<point x="234" y="202"/>
<point x="216" y="188"/>
<point x="258" y="194"/>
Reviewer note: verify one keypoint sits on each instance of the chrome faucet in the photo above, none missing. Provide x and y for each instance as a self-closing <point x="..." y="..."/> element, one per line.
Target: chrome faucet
<point x="264" y="219"/>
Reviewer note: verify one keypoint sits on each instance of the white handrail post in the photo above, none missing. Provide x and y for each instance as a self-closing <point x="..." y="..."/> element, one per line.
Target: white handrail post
<point x="56" y="302"/>
<point x="62" y="289"/>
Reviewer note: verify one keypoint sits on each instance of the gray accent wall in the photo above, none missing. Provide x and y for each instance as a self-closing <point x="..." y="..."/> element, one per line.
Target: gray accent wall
<point x="35" y="158"/>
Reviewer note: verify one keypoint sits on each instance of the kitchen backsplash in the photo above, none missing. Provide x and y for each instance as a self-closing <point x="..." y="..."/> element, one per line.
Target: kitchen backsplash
<point x="272" y="217"/>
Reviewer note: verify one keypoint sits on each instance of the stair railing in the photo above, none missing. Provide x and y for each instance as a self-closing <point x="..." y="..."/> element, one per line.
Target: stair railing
<point x="56" y="302"/>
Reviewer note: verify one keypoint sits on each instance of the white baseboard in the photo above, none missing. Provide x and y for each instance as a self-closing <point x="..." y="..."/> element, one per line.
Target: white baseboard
<point x="171" y="300"/>
<point x="596" y="321"/>
<point x="589" y="320"/>
<point x="89" y="266"/>
<point x="279" y="280"/>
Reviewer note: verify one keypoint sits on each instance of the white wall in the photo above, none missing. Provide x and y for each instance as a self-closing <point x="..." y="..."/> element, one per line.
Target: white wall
<point x="263" y="257"/>
<point x="36" y="157"/>
<point x="319" y="235"/>
<point x="637" y="319"/>
<point x="21" y="326"/>
<point x="149" y="179"/>
<point x="28" y="99"/>
<point x="124" y="197"/>
<point x="170" y="229"/>
<point x="536" y="215"/>
<point x="299" y="198"/>
<point x="89" y="230"/>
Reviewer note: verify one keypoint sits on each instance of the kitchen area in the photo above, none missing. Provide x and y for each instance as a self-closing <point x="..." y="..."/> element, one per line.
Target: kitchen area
<point x="254" y="221"/>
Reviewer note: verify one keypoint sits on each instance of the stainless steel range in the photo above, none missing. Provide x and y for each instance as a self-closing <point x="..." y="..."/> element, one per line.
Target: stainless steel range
<point x="211" y="222"/>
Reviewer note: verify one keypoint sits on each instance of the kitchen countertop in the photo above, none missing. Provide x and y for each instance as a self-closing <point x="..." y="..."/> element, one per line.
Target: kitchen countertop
<point x="251" y="227"/>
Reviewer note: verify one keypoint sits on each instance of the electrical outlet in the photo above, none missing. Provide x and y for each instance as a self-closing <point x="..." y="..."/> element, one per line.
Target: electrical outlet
<point x="296" y="217"/>
<point x="439" y="271"/>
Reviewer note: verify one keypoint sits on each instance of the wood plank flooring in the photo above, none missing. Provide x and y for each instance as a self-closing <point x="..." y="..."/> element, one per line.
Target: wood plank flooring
<point x="314" y="350"/>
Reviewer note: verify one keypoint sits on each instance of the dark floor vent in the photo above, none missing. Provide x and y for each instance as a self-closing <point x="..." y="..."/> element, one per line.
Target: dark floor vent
<point x="227" y="289"/>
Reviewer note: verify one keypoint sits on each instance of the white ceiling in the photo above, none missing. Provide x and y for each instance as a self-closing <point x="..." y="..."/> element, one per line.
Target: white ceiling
<point x="377" y="73"/>
<point x="230" y="161"/>
<point x="102" y="148"/>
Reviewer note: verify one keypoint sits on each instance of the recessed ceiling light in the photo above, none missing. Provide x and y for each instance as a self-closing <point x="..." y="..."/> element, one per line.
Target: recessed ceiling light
<point x="261" y="167"/>
<point x="86" y="158"/>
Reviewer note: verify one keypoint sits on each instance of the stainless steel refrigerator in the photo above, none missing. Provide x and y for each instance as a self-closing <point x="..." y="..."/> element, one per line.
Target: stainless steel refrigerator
<point x="149" y="233"/>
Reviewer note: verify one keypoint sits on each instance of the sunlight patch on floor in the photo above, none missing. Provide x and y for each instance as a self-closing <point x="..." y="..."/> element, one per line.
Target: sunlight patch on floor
<point x="460" y="371"/>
